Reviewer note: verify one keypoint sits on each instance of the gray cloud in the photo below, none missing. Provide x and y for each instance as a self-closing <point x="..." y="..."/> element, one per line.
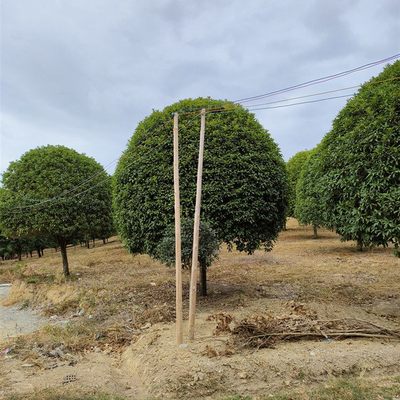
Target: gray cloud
<point x="84" y="74"/>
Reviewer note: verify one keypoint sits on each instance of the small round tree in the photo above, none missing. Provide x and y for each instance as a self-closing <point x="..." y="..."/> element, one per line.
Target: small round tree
<point x="294" y="167"/>
<point x="208" y="250"/>
<point x="360" y="163"/>
<point x="54" y="192"/>
<point x="309" y="207"/>
<point x="244" y="178"/>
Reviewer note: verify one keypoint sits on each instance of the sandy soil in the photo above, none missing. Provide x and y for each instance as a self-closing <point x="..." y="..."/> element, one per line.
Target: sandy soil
<point x="190" y="372"/>
<point x="130" y="301"/>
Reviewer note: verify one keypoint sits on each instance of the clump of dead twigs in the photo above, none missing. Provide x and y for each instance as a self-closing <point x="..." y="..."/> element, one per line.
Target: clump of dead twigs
<point x="223" y="322"/>
<point x="265" y="331"/>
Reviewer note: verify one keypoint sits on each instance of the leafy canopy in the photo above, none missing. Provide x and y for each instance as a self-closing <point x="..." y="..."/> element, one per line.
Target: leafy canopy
<point x="244" y="178"/>
<point x="360" y="164"/>
<point x="208" y="248"/>
<point x="309" y="206"/>
<point x="294" y="167"/>
<point x="58" y="173"/>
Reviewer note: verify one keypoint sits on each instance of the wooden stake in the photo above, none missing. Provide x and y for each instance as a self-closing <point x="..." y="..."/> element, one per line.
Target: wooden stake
<point x="178" y="261"/>
<point x="196" y="230"/>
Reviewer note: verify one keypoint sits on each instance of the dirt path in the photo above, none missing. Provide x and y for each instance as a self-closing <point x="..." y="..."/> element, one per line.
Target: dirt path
<point x="14" y="320"/>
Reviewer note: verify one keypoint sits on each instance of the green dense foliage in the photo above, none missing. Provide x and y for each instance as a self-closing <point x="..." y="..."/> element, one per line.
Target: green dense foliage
<point x="310" y="207"/>
<point x="208" y="248"/>
<point x="11" y="248"/>
<point x="294" y="167"/>
<point x="355" y="174"/>
<point x="244" y="179"/>
<point x="78" y="188"/>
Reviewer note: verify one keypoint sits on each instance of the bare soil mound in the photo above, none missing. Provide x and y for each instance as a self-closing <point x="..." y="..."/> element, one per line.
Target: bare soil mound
<point x="211" y="367"/>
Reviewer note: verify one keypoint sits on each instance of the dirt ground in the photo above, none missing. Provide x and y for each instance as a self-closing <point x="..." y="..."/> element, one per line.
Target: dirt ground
<point x="111" y="325"/>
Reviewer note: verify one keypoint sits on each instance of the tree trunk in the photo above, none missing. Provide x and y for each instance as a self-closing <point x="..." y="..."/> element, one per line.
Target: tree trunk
<point x="396" y="251"/>
<point x="42" y="251"/>
<point x="63" y="246"/>
<point x="94" y="242"/>
<point x="104" y="241"/>
<point x="315" y="231"/>
<point x="203" y="280"/>
<point x="360" y="245"/>
<point x="88" y="244"/>
<point x="39" y="253"/>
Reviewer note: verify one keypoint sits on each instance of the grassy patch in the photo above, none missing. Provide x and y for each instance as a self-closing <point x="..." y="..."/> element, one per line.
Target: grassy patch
<point x="58" y="395"/>
<point x="10" y="270"/>
<point x="75" y="337"/>
<point x="343" y="389"/>
<point x="39" y="278"/>
<point x="62" y="308"/>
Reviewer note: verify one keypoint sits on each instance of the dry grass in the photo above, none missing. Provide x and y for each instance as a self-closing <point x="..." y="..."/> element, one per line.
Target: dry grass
<point x="120" y="293"/>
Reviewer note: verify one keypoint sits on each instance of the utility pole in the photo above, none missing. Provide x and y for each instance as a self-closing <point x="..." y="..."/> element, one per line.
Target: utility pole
<point x="196" y="229"/>
<point x="178" y="260"/>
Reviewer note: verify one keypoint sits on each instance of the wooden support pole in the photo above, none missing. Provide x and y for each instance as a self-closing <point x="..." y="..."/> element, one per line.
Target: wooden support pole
<point x="178" y="260"/>
<point x="196" y="230"/>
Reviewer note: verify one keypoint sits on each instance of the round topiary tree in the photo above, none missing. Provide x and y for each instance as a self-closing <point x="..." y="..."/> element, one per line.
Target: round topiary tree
<point x="294" y="167"/>
<point x="208" y="249"/>
<point x="244" y="178"/>
<point x="309" y="207"/>
<point x="360" y="164"/>
<point x="54" y="192"/>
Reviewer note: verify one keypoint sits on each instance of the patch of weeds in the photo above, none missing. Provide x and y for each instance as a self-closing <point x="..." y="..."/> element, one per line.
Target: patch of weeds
<point x="89" y="301"/>
<point x="12" y="270"/>
<point x="344" y="389"/>
<point x="301" y="375"/>
<point x="75" y="336"/>
<point x="352" y="372"/>
<point x="35" y="279"/>
<point x="62" y="308"/>
<point x="73" y="277"/>
<point x="58" y="395"/>
<point x="24" y="305"/>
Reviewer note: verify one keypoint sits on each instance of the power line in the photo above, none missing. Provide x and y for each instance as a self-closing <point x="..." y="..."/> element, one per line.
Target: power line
<point x="300" y="85"/>
<point x="283" y="105"/>
<point x="319" y="93"/>
<point x="302" y="97"/>
<point x="319" y="80"/>
<point x="303" y="102"/>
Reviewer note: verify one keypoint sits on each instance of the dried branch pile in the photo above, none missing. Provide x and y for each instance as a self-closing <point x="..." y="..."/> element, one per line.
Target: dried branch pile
<point x="261" y="331"/>
<point x="265" y="331"/>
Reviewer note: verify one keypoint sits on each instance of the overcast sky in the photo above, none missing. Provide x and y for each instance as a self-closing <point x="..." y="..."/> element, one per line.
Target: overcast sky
<point x="83" y="73"/>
